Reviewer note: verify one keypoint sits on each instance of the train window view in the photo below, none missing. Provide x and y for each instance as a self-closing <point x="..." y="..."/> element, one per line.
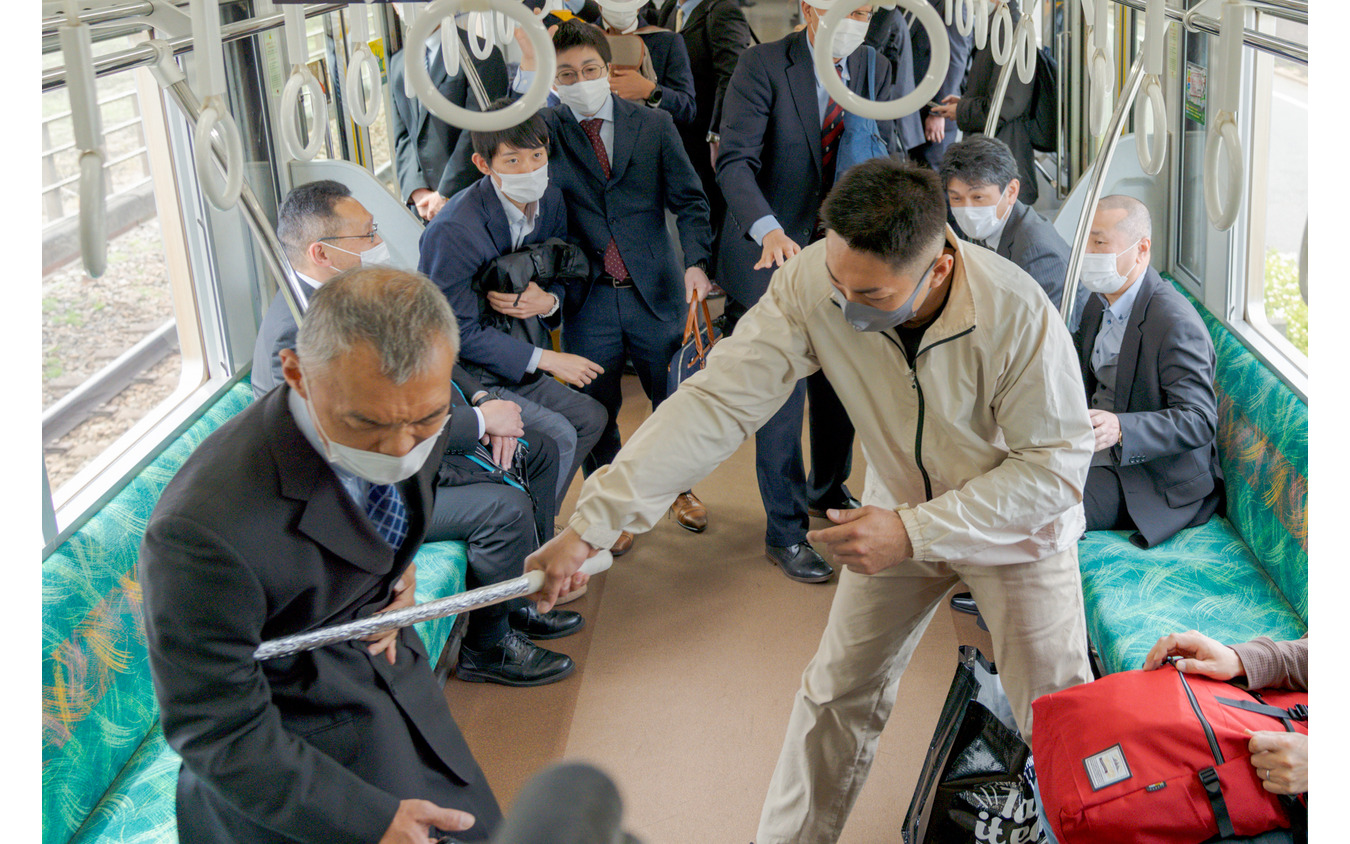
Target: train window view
<point x="675" y="421"/>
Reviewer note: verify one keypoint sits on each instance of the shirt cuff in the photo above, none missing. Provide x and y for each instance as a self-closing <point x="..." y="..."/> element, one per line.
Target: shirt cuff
<point x="522" y="81"/>
<point x="918" y="547"/>
<point x="482" y="422"/>
<point x="762" y="227"/>
<point x="535" y="357"/>
<point x="596" y="536"/>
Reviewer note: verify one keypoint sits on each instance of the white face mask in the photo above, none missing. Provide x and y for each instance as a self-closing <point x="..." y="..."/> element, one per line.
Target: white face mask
<point x="979" y="222"/>
<point x="620" y="20"/>
<point x="371" y="465"/>
<point x="1099" y="272"/>
<point x="848" y="37"/>
<point x="524" y="187"/>
<point x="377" y="254"/>
<point x="586" y="96"/>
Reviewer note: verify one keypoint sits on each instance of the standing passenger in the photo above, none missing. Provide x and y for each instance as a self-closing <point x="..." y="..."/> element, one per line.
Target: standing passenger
<point x="939" y="132"/>
<point x="672" y="87"/>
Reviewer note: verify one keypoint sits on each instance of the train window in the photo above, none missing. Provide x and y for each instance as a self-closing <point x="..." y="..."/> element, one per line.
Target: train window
<point x="1192" y="221"/>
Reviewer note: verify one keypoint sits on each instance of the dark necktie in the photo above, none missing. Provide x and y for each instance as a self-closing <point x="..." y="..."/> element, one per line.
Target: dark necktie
<point x="613" y="261"/>
<point x="386" y="511"/>
<point x="830" y="130"/>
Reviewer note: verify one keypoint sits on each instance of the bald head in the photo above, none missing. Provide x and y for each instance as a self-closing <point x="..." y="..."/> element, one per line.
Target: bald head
<point x="1131" y="216"/>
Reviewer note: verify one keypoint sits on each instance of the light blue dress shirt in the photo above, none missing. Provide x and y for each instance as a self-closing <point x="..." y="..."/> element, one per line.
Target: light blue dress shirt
<point x="686" y="9"/>
<point x="1106" y="348"/>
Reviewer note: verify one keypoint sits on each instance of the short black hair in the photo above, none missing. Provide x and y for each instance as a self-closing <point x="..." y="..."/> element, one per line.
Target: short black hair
<point x="307" y="214"/>
<point x="576" y="33"/>
<point x="530" y="134"/>
<point x="896" y="211"/>
<point x="979" y="160"/>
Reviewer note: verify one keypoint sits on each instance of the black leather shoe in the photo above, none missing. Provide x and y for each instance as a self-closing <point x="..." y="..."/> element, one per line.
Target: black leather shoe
<point x="800" y="562"/>
<point x="553" y="624"/>
<point x="514" y="661"/>
<point x="847" y="503"/>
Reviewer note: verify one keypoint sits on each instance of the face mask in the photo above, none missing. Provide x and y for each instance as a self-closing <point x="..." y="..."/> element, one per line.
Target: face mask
<point x="585" y="97"/>
<point x="1099" y="273"/>
<point x="377" y="254"/>
<point x="525" y="187"/>
<point x="978" y="222"/>
<point x="620" y="20"/>
<point x="371" y="465"/>
<point x="848" y="38"/>
<point x="867" y="318"/>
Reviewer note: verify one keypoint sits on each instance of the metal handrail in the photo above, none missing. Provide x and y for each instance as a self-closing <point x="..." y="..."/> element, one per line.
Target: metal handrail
<point x="145" y="55"/>
<point x="138" y="8"/>
<point x="1102" y="164"/>
<point x="1280" y="47"/>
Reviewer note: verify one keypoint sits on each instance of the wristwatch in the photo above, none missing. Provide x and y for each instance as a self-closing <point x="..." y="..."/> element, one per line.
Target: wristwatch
<point x="714" y="138"/>
<point x="701" y="263"/>
<point x="654" y="99"/>
<point x="483" y="398"/>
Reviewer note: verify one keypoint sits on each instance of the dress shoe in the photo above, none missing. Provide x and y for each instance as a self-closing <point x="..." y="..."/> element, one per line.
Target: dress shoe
<point x="553" y="624"/>
<point x="690" y="512"/>
<point x="622" y="545"/>
<point x="799" y="562"/>
<point x="847" y="503"/>
<point x="514" y="661"/>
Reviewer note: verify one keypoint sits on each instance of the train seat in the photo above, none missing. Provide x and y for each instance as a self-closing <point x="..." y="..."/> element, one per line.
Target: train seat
<point x="107" y="772"/>
<point x="1233" y="578"/>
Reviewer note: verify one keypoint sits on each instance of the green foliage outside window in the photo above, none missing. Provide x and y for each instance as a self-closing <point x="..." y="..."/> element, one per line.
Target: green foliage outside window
<point x="1284" y="305"/>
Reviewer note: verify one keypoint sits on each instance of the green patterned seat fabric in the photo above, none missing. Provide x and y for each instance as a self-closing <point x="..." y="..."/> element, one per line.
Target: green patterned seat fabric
<point x="441" y="567"/>
<point x="98" y="703"/>
<point x="1204" y="578"/>
<point x="139" y="807"/>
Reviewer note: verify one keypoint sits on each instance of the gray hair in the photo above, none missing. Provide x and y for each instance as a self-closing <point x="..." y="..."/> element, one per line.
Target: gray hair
<point x="1138" y="221"/>
<point x="399" y="313"/>
<point x="979" y="160"/>
<point x="308" y="214"/>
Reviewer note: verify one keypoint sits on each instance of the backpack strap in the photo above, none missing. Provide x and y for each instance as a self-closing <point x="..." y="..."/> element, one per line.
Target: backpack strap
<point x="1209" y="778"/>
<point x="1293" y="713"/>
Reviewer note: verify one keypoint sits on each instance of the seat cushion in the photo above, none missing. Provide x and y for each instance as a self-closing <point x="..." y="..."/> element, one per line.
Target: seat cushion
<point x="441" y="570"/>
<point x="139" y="807"/>
<point x="1204" y="578"/>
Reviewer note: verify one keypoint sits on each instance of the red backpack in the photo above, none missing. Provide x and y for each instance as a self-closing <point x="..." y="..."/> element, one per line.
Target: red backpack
<point x="1159" y="757"/>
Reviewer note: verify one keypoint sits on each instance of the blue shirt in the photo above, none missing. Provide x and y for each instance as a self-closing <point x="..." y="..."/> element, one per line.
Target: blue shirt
<point x="1106" y="348"/>
<point x="686" y="9"/>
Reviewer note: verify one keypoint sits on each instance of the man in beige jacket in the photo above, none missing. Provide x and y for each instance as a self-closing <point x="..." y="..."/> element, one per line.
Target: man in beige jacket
<point x="964" y="387"/>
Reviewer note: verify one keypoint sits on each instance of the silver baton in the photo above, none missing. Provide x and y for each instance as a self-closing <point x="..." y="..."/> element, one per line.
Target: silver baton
<point x="485" y="596"/>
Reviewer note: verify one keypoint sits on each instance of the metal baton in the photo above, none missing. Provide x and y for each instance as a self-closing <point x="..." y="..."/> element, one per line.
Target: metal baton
<point x="485" y="596"/>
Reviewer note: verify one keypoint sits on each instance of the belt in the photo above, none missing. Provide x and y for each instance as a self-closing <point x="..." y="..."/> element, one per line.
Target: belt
<point x="617" y="283"/>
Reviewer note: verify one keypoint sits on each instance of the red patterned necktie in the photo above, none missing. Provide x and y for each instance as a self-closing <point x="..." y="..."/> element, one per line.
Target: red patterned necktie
<point x="831" y="129"/>
<point x="613" y="261"/>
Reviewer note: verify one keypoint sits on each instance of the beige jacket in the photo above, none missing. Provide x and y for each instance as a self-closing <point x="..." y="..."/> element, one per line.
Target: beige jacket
<point x="993" y="413"/>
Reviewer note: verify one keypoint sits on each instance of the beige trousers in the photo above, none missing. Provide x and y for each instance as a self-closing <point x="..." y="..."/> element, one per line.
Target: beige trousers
<point x="1035" y="615"/>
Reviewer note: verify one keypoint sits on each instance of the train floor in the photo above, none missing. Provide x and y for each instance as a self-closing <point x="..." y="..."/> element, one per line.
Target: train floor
<point x="693" y="648"/>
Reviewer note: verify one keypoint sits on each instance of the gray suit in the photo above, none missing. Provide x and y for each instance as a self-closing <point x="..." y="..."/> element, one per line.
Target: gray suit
<point x="1165" y="474"/>
<point x="256" y="538"/>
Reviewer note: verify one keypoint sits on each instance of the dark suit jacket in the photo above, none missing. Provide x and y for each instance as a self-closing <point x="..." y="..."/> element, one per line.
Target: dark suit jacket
<point x="770" y="160"/>
<point x="471" y="230"/>
<point x="255" y="538"/>
<point x="956" y="64"/>
<point x="715" y="35"/>
<point x="670" y="60"/>
<point x="429" y="153"/>
<point x="889" y="36"/>
<point x="1013" y="118"/>
<point x="1168" y="463"/>
<point x="650" y="173"/>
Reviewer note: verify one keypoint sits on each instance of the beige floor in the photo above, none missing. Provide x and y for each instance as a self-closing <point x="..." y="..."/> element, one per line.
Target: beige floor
<point x="693" y="648"/>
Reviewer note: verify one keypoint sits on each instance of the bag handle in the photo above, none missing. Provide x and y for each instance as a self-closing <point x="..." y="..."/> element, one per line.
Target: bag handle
<point x="691" y="326"/>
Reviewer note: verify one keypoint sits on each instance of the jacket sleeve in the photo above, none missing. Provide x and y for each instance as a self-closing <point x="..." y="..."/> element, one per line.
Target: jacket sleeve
<point x="406" y="163"/>
<point x="973" y="108"/>
<point x="1043" y="262"/>
<point x="677" y="83"/>
<point x="215" y="702"/>
<point x="746" y="117"/>
<point x="1191" y="416"/>
<point x="1038" y="405"/>
<point x="729" y="35"/>
<point x="1275" y="665"/>
<point x="684" y="197"/>
<point x="463" y="434"/>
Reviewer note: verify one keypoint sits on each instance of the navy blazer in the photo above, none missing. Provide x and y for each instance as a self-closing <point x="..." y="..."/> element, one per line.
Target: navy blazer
<point x="770" y="159"/>
<point x="1167" y="460"/>
<point x="715" y="35"/>
<point x="650" y="173"/>
<point x="670" y="60"/>
<point x="957" y="61"/>
<point x="888" y="34"/>
<point x="458" y="243"/>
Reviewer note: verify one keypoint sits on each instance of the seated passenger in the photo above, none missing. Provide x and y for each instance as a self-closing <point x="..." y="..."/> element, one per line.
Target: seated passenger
<point x="979" y="174"/>
<point x="295" y="515"/>
<point x="501" y="523"/>
<point x="1280" y="758"/>
<point x="671" y="84"/>
<point x="1148" y="366"/>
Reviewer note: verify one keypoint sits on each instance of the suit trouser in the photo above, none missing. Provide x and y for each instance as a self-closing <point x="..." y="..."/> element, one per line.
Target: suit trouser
<point x="574" y="422"/>
<point x="1035" y="616"/>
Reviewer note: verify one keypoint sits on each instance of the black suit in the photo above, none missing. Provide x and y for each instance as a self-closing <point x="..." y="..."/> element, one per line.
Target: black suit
<point x="1014" y="117"/>
<point x="256" y="538"/>
<point x="1165" y="473"/>
<point x="958" y="59"/>
<point x="890" y="36"/>
<point x="428" y="153"/>
<point x="674" y="76"/>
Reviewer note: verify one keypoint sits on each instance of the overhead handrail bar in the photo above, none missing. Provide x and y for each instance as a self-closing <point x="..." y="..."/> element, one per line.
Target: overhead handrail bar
<point x="1223" y="138"/>
<point x="1099" y="168"/>
<point x="364" y="109"/>
<point x="1279" y="47"/>
<point x="101" y="32"/>
<point x="144" y="56"/>
<point x="301" y="79"/>
<point x="77" y="51"/>
<point x="1101" y="69"/>
<point x="486" y="121"/>
<point x="101" y="14"/>
<point x="926" y="88"/>
<point x="1023" y="56"/>
<point x="1152" y="149"/>
<point x="223" y="192"/>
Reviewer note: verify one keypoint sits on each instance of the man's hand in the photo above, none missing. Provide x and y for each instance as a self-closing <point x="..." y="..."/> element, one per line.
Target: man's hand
<point x="414" y="819"/>
<point x="696" y="285"/>
<point x="778" y="249"/>
<point x="630" y="84"/>
<point x="867" y="540"/>
<point x="560" y="560"/>
<point x="503" y="450"/>
<point x="1201" y="655"/>
<point x="526" y="48"/>
<point x="713" y="148"/>
<point x="427" y="202"/>
<point x="533" y="301"/>
<point x="574" y="369"/>
<point x="403" y="597"/>
<point x="934" y="128"/>
<point x="1105" y="429"/>
<point x="948" y="108"/>
<point x="1281" y="760"/>
<point x="501" y="418"/>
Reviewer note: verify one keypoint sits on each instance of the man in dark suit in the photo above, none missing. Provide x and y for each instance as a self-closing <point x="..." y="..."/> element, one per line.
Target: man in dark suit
<point x="306" y="510"/>
<point x="780" y="133"/>
<point x="621" y="167"/>
<point x="671" y="86"/>
<point x="980" y="177"/>
<point x="499" y="518"/>
<point x="1148" y="366"/>
<point x="888" y="33"/>
<point x="431" y="157"/>
<point x="939" y="131"/>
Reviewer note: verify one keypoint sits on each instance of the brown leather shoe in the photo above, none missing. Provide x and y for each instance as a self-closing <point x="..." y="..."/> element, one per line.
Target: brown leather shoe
<point x="622" y="545"/>
<point x="690" y="512"/>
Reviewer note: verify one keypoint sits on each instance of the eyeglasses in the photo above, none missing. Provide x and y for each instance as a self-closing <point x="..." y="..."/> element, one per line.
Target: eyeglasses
<point x="374" y="232"/>
<point x="589" y="72"/>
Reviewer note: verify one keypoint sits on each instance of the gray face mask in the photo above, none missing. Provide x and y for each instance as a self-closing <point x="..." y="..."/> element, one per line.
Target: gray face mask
<point x="867" y="318"/>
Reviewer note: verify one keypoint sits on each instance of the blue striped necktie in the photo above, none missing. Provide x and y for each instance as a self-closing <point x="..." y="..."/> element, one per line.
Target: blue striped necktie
<point x="386" y="511"/>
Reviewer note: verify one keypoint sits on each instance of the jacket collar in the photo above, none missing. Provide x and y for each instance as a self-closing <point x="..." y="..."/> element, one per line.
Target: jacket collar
<point x="1129" y="344"/>
<point x="498" y="227"/>
<point x="1012" y="228"/>
<point x="958" y="315"/>
<point x="801" y="76"/>
<point x="625" y="117"/>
